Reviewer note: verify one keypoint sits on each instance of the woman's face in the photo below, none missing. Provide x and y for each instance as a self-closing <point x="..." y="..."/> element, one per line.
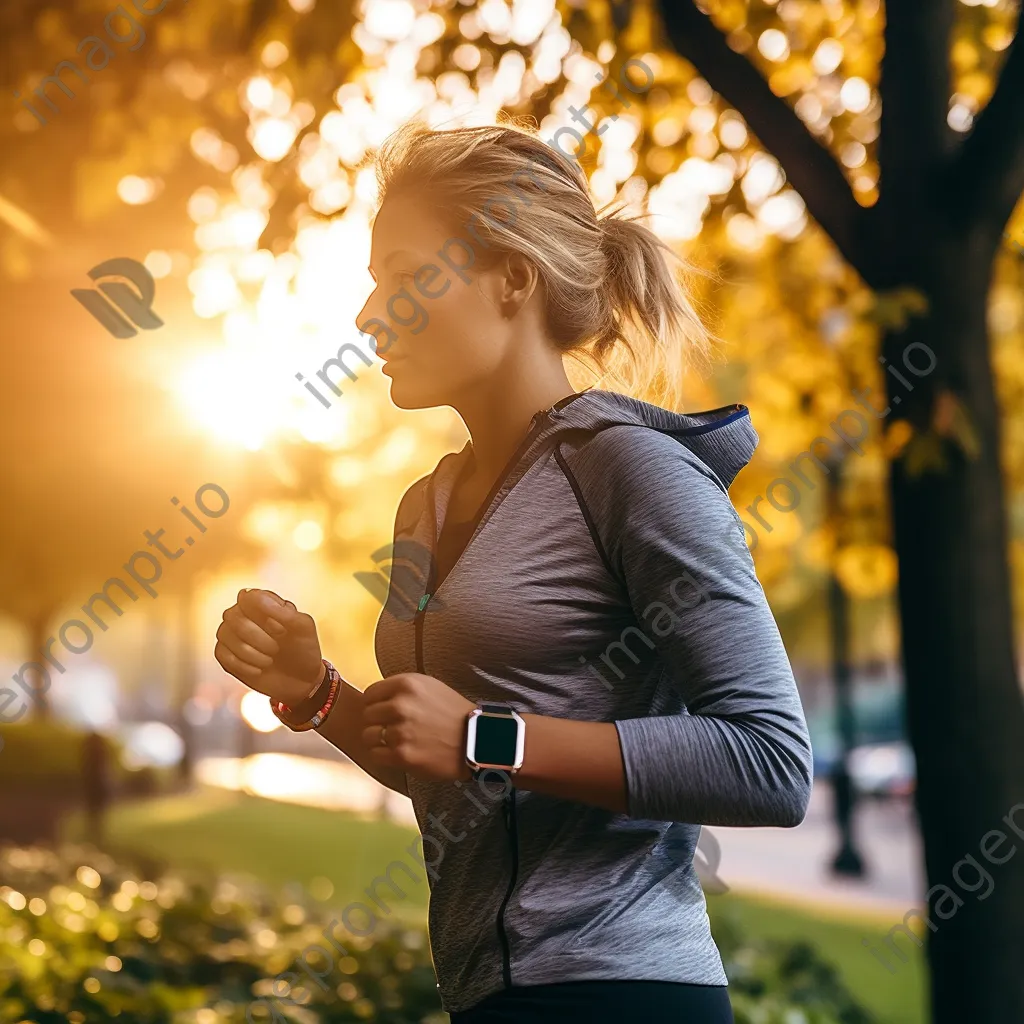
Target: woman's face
<point x="435" y="313"/>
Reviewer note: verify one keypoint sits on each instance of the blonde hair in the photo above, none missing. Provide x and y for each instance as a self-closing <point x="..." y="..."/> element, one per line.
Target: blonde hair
<point x="613" y="301"/>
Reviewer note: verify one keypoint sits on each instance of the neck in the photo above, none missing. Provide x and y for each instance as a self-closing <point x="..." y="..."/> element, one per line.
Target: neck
<point x="498" y="416"/>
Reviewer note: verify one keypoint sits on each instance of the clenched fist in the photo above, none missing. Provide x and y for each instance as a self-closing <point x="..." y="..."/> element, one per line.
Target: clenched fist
<point x="417" y="723"/>
<point x="266" y="643"/>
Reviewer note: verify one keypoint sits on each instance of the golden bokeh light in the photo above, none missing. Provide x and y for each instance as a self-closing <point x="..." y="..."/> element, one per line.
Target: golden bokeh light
<point x="255" y="708"/>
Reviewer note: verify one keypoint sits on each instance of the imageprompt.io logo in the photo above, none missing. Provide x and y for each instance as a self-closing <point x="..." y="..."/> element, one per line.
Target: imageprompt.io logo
<point x="403" y="570"/>
<point x="133" y="306"/>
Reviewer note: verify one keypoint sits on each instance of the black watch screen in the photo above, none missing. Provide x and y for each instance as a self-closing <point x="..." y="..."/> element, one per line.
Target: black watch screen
<point x="495" y="740"/>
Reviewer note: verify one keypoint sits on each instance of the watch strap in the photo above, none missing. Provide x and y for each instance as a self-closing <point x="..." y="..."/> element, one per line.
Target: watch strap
<point x="496" y="708"/>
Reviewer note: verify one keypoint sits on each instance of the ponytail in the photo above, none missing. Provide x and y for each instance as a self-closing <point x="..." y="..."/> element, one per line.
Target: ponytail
<point x="651" y="331"/>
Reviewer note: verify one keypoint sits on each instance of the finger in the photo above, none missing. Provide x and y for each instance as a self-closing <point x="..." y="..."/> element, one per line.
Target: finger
<point x="390" y="752"/>
<point x="250" y="632"/>
<point x="396" y="733"/>
<point x="384" y="689"/>
<point x="371" y="737"/>
<point x="231" y="663"/>
<point x="270" y="612"/>
<point x="250" y="606"/>
<point x="223" y="648"/>
<point x="228" y="636"/>
<point x="261" y="602"/>
<point x="274" y="627"/>
<point x="284" y="601"/>
<point x="382" y="713"/>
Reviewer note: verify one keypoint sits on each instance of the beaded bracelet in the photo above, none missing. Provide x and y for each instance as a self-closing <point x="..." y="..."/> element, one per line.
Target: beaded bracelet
<point x="283" y="712"/>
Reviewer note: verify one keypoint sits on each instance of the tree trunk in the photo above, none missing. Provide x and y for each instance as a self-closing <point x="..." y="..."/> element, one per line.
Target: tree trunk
<point x="965" y="713"/>
<point x="185" y="689"/>
<point x="37" y="637"/>
<point x="942" y="207"/>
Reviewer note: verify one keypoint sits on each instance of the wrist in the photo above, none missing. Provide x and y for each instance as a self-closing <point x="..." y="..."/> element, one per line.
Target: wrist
<point x="306" y="706"/>
<point x="313" y="711"/>
<point x="321" y="675"/>
<point x="464" y="772"/>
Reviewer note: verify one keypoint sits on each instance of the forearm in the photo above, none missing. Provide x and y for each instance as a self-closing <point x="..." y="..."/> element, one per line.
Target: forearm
<point x="749" y="770"/>
<point x="343" y="730"/>
<point x="574" y="760"/>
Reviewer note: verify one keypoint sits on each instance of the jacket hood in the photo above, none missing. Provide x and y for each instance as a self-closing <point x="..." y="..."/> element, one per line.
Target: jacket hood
<point x="723" y="439"/>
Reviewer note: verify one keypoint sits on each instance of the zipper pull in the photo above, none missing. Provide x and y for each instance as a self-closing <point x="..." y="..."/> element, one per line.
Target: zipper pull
<point x="506" y="807"/>
<point x="423" y="602"/>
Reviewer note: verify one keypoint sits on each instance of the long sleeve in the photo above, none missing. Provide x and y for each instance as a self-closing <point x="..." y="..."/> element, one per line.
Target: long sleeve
<point x="738" y="753"/>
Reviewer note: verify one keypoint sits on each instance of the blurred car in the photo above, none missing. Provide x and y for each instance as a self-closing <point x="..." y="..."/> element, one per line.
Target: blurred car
<point x="150" y="745"/>
<point x="883" y="769"/>
<point x="881" y="762"/>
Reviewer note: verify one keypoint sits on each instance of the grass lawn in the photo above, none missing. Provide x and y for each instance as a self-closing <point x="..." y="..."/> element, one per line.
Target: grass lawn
<point x="282" y="843"/>
<point x="278" y="843"/>
<point x="898" y="998"/>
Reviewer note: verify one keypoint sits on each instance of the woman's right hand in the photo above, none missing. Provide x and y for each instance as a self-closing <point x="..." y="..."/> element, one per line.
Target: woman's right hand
<point x="266" y="643"/>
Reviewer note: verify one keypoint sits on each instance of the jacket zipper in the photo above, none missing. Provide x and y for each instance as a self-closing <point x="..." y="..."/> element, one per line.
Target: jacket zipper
<point x="420" y="609"/>
<point x="510" y="826"/>
<point x="538" y="423"/>
<point x="509" y="808"/>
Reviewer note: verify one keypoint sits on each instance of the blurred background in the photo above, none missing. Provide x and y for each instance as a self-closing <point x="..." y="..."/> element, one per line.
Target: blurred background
<point x="227" y="147"/>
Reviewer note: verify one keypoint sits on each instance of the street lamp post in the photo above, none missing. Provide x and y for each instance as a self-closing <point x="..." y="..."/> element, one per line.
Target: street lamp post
<point x="847" y="860"/>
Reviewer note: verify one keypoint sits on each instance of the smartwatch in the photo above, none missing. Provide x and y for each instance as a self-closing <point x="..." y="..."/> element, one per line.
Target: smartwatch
<point x="495" y="738"/>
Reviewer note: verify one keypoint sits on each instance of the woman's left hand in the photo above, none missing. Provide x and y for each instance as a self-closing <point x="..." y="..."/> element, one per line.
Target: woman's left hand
<point x="424" y="724"/>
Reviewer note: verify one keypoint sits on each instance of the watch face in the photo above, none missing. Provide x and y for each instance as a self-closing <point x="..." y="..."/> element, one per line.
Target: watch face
<point x="495" y="740"/>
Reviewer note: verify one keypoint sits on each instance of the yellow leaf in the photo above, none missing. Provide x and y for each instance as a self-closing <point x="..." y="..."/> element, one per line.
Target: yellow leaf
<point x="867" y="570"/>
<point x="897" y="436"/>
<point x="978" y="85"/>
<point x="924" y="453"/>
<point x="963" y="55"/>
<point x="796" y="75"/>
<point x="816" y="551"/>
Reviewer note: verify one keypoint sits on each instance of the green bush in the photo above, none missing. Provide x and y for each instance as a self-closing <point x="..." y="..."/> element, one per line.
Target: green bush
<point x="775" y="982"/>
<point x="87" y="940"/>
<point x="46" y="757"/>
<point x="38" y="753"/>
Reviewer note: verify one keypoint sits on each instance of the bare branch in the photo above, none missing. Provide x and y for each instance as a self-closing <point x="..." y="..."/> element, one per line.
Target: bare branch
<point x="809" y="166"/>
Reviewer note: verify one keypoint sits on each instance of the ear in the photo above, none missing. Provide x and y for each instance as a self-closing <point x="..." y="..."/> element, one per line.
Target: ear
<point x="519" y="282"/>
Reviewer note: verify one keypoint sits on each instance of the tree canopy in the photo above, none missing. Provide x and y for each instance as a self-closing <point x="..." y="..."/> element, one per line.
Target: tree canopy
<point x="228" y="146"/>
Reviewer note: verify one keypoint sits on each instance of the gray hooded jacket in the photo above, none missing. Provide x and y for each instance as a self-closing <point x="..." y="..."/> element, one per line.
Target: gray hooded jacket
<point x="607" y="580"/>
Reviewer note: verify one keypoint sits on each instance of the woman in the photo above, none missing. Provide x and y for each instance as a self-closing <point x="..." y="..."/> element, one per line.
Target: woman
<point x="595" y="602"/>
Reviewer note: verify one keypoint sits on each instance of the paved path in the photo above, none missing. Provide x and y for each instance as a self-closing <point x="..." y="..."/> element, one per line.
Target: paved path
<point x="788" y="863"/>
<point x="795" y="862"/>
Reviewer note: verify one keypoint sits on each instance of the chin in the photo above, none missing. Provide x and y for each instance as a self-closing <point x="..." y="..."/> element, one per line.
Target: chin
<point x="408" y="391"/>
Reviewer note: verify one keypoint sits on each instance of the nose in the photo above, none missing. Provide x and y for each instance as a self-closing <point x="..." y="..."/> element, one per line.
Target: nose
<point x="373" y="309"/>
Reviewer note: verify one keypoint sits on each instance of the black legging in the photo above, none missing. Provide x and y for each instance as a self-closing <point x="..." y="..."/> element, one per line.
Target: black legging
<point x="603" y="1002"/>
